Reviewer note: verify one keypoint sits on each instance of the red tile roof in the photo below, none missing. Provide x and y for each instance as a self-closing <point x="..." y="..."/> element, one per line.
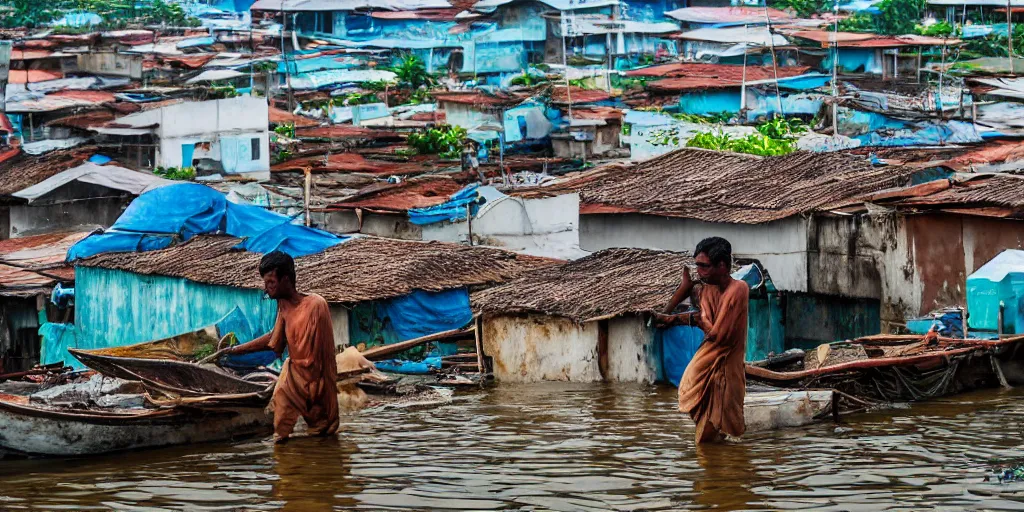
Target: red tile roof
<point x="23" y="76"/>
<point x="578" y="95"/>
<point x="417" y="193"/>
<point x="346" y="131"/>
<point x="473" y="98"/>
<point x="867" y="40"/>
<point x="349" y="162"/>
<point x="684" y="77"/>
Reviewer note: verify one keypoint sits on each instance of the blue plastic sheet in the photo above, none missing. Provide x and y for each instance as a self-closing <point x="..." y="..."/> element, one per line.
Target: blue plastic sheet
<point x="154" y="219"/>
<point x="57" y="338"/>
<point x="678" y="346"/>
<point x="424" y="313"/>
<point x="410" y="367"/>
<point x="452" y="210"/>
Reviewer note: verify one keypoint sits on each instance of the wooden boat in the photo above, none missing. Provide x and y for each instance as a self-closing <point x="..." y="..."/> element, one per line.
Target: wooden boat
<point x="28" y="429"/>
<point x="178" y="377"/>
<point x="899" y="368"/>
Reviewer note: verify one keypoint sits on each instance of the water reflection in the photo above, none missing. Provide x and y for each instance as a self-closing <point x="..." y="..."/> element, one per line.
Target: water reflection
<point x="561" y="447"/>
<point x="314" y="474"/>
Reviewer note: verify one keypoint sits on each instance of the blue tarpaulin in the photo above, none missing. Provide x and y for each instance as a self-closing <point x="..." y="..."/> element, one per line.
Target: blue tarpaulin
<point x="678" y="346"/>
<point x="410" y="367"/>
<point x="154" y="219"/>
<point x="452" y="210"/>
<point x="424" y="313"/>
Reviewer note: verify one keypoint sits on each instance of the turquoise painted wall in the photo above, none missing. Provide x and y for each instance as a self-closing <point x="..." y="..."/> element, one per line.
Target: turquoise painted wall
<point x="115" y="308"/>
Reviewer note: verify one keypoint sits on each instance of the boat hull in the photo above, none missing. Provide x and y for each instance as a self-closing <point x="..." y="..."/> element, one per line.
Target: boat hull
<point x="37" y="431"/>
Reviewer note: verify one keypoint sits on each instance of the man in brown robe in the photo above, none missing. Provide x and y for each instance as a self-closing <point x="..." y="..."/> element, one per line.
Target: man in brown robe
<point x="307" y="385"/>
<point x="714" y="383"/>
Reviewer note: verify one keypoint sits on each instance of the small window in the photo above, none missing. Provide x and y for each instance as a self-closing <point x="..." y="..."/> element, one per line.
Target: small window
<point x="255" y="149"/>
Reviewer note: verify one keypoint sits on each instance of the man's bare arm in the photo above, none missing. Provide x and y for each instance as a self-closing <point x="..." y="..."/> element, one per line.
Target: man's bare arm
<point x="682" y="292"/>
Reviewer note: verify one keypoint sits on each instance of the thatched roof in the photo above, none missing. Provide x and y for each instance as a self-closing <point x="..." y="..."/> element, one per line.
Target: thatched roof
<point x="608" y="283"/>
<point x="716" y="186"/>
<point x="363" y="269"/>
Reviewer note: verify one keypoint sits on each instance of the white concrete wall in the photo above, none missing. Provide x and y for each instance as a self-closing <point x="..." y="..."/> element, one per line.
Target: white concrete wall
<point x="539" y="348"/>
<point x="467" y="116"/>
<point x="339" y="323"/>
<point x="631" y="353"/>
<point x="781" y="246"/>
<point x="540" y="227"/>
<point x="228" y="124"/>
<point x="110" y="63"/>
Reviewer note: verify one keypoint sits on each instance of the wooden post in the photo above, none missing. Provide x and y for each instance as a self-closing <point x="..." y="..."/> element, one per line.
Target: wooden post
<point x="469" y="221"/>
<point x="1009" y="34"/>
<point x="478" y="337"/>
<point x="308" y="171"/>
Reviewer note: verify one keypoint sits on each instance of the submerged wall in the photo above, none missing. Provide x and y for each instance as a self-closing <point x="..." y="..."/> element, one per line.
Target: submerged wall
<point x="537" y="348"/>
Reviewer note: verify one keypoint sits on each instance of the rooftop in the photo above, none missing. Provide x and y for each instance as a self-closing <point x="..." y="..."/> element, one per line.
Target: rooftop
<point x="416" y="193"/>
<point x="731" y="187"/>
<point x="363" y="269"/>
<point x="609" y="283"/>
<point x="987" y="195"/>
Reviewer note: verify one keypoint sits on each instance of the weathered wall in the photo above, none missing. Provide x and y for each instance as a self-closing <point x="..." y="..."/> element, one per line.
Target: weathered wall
<point x="812" y="319"/>
<point x="632" y="356"/>
<point x="537" y="348"/>
<point x="780" y="246"/>
<point x="110" y="63"/>
<point x="73" y="206"/>
<point x="229" y="125"/>
<point x="911" y="264"/>
<point x="540" y="227"/>
<point x="339" y="322"/>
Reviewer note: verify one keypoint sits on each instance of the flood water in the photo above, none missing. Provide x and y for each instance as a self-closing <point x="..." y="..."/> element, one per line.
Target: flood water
<point x="562" y="447"/>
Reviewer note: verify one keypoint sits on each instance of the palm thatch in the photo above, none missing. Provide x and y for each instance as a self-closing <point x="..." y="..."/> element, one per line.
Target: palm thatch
<point x="363" y="269"/>
<point x="609" y="283"/>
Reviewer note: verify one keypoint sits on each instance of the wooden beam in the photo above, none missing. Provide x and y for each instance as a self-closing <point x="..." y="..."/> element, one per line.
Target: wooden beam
<point x="378" y="353"/>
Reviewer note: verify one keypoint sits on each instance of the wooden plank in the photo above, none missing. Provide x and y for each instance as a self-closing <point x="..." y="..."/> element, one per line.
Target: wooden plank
<point x="378" y="353"/>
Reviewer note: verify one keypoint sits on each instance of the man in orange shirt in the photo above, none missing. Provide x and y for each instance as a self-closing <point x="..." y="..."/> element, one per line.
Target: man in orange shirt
<point x="307" y="387"/>
<point x="714" y="383"/>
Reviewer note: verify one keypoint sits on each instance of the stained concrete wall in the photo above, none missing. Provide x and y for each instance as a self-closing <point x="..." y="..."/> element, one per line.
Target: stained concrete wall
<point x="781" y="246"/>
<point x="72" y="206"/>
<point x="631" y="352"/>
<point x="229" y="125"/>
<point x="539" y="348"/>
<point x="912" y="264"/>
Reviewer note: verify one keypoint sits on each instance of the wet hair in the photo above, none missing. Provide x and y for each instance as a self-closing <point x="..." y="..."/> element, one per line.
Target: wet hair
<point x="278" y="262"/>
<point x="718" y="250"/>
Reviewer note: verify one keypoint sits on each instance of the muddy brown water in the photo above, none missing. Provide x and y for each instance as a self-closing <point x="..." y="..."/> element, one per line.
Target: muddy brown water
<point x="562" y="447"/>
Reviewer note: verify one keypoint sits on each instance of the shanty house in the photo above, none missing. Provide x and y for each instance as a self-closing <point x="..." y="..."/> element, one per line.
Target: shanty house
<point x="913" y="248"/>
<point x="438" y="208"/>
<point x="380" y="290"/>
<point x="891" y="57"/>
<point x="228" y="136"/>
<point x="762" y="205"/>
<point x="64" y="190"/>
<point x="30" y="268"/>
<point x="589" y="320"/>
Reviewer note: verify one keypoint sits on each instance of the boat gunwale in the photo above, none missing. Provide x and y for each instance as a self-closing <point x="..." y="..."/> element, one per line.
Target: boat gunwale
<point x="859" y="364"/>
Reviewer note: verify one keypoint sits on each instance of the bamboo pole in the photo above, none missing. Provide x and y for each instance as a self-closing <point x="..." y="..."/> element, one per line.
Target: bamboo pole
<point x="378" y="353"/>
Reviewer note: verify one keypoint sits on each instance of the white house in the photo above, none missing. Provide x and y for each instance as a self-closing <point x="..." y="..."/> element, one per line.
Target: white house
<point x="228" y="136"/>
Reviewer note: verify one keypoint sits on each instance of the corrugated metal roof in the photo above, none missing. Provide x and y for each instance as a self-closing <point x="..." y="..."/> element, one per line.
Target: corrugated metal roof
<point x="417" y="193"/>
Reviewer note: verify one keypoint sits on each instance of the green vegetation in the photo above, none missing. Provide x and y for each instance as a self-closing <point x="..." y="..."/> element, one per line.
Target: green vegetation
<point x="222" y="91"/>
<point x="445" y="141"/>
<point x="412" y="72"/>
<point x="939" y="29"/>
<point x="897" y="17"/>
<point x="176" y="173"/>
<point x="115" y="13"/>
<point x="803" y="8"/>
<point x="286" y="130"/>
<point x="774" y="137"/>
<point x="528" y="80"/>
